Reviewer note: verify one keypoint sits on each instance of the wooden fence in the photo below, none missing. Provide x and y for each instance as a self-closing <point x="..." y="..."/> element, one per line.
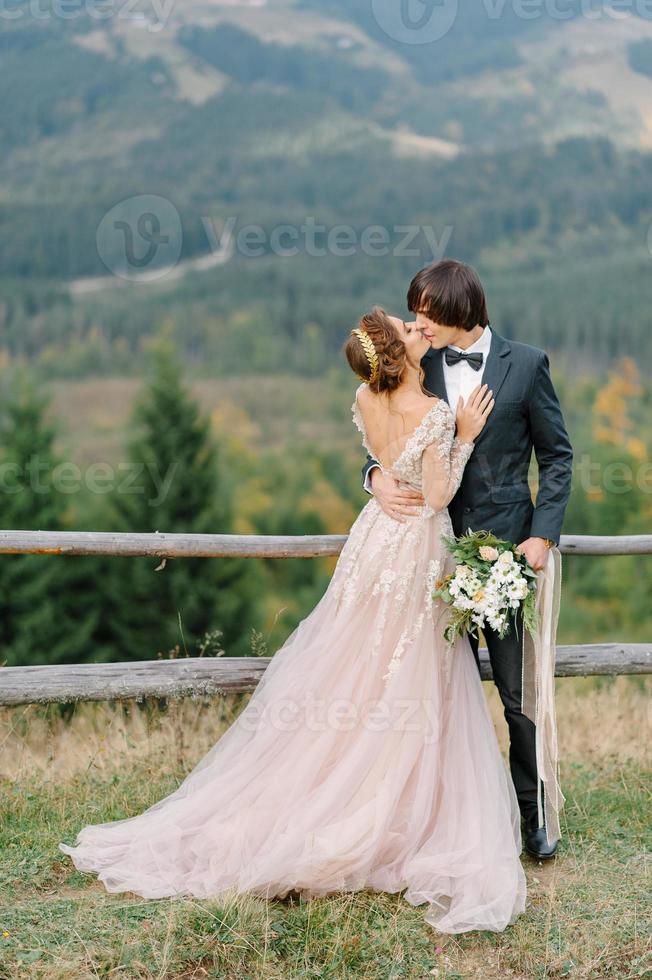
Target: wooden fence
<point x="197" y="676"/>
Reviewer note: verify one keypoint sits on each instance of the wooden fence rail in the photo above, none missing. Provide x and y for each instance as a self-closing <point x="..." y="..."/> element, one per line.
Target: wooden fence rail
<point x="197" y="676"/>
<point x="159" y="545"/>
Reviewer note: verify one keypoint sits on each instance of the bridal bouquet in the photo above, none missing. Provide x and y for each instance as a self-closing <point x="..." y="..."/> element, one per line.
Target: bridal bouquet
<point x="491" y="580"/>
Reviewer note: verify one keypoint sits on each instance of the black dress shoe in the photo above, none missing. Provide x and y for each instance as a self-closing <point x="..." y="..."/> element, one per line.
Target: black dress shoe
<point x="537" y="846"/>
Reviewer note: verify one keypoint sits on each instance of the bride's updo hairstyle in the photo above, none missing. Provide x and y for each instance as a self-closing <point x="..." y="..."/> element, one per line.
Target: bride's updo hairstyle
<point x="382" y="364"/>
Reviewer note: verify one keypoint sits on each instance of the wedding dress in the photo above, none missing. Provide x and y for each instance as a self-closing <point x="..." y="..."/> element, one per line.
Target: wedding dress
<point x="365" y="759"/>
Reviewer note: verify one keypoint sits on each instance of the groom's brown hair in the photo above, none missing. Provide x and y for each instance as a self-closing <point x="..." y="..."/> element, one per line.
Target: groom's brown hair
<point x="450" y="293"/>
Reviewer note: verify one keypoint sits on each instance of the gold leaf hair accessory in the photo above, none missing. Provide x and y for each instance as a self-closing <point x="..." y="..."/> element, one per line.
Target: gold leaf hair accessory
<point x="370" y="351"/>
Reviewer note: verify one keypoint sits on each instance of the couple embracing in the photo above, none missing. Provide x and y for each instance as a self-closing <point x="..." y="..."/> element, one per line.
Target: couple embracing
<point x="366" y="757"/>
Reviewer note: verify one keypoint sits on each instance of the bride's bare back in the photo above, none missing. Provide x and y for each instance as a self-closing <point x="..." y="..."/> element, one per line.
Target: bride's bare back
<point x="389" y="422"/>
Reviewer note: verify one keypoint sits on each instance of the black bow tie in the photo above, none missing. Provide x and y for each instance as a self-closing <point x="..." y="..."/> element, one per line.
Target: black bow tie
<point x="455" y="356"/>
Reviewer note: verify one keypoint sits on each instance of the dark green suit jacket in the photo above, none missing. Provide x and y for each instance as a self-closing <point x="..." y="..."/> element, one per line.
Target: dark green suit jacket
<point x="494" y="494"/>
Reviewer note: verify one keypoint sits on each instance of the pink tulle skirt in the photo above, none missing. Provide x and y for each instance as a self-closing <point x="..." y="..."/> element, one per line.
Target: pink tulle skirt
<point x="365" y="759"/>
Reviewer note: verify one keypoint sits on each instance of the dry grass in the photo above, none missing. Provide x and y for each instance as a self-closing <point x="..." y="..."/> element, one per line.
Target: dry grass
<point x="599" y="719"/>
<point x="586" y="916"/>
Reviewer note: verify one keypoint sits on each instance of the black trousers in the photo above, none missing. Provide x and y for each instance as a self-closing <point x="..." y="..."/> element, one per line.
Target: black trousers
<point x="506" y="659"/>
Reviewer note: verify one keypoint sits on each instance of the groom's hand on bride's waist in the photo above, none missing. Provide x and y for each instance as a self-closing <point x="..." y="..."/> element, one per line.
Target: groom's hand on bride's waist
<point x="395" y="502"/>
<point x="536" y="552"/>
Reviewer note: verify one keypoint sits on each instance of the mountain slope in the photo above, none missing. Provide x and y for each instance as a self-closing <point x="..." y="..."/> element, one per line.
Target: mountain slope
<point x="520" y="145"/>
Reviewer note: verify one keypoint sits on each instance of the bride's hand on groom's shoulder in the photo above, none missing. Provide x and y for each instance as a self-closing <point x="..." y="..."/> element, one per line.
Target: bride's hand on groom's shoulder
<point x="396" y="503"/>
<point x="471" y="417"/>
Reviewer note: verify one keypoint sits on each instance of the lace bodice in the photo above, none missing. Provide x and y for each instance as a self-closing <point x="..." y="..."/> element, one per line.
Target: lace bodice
<point x="436" y="429"/>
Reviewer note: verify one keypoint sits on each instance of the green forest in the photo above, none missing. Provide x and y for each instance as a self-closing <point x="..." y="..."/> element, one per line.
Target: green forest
<point x="356" y="160"/>
<point x="182" y="468"/>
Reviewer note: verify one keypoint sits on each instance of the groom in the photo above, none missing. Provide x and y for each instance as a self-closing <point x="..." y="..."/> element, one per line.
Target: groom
<point x="451" y="313"/>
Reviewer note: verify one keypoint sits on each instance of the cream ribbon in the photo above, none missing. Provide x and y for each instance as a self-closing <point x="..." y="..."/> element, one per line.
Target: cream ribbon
<point x="538" y="692"/>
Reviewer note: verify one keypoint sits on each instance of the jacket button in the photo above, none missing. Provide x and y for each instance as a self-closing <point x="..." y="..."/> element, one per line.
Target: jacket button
<point x="467" y="510"/>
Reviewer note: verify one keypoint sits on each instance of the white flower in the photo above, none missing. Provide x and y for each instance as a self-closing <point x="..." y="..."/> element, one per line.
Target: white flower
<point x="506" y="558"/>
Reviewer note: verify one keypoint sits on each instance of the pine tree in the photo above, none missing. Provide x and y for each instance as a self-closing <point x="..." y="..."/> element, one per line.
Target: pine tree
<point x="177" y="483"/>
<point x="49" y="607"/>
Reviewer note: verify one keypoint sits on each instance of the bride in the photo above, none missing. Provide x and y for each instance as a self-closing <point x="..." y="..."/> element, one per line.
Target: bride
<point x="367" y="757"/>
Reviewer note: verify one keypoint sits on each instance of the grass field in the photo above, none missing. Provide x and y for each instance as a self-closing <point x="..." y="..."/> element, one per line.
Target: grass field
<point x="267" y="412"/>
<point x="588" y="910"/>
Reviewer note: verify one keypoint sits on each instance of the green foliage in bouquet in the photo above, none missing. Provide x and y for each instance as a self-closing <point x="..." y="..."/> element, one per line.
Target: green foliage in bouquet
<point x="487" y="587"/>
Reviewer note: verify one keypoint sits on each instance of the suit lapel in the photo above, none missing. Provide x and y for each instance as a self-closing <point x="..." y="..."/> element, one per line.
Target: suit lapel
<point x="433" y="366"/>
<point x="498" y="364"/>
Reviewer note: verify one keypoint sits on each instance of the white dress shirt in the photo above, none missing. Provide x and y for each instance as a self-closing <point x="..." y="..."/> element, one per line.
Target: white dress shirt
<point x="460" y="378"/>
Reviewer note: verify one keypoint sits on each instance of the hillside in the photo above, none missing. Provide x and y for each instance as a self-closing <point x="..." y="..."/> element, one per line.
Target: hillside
<point x="519" y="144"/>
